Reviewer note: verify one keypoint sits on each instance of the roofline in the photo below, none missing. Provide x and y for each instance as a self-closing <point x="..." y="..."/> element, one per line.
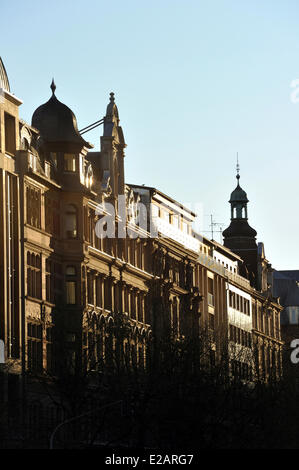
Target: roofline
<point x="157" y="191"/>
<point x="12" y="97"/>
<point x="226" y="250"/>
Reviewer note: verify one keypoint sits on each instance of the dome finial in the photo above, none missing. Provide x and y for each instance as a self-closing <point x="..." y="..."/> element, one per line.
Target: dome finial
<point x="53" y="86"/>
<point x="238" y="168"/>
<point x="112" y="99"/>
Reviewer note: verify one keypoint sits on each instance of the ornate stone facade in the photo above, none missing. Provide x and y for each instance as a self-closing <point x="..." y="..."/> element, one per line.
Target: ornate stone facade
<point x="57" y="271"/>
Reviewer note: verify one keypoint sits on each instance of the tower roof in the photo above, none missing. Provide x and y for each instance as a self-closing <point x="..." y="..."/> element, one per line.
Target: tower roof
<point x="239" y="228"/>
<point x="238" y="195"/>
<point x="56" y="122"/>
<point x="4" y="82"/>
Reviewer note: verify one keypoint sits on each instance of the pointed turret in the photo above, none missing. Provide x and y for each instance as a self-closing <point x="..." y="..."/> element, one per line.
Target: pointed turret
<point x="239" y="236"/>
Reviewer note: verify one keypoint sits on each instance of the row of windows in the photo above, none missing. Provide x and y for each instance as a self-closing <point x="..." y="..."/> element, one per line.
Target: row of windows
<point x="240" y="336"/>
<point x="101" y="348"/>
<point x="129" y="249"/>
<point x="225" y="265"/>
<point x="266" y="322"/>
<point x="174" y="219"/>
<point x="34" y="278"/>
<point x="239" y="303"/>
<point x="99" y="294"/>
<point x="52" y="214"/>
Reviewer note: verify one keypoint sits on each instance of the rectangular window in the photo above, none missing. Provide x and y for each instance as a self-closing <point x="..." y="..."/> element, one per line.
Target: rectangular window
<point x="99" y="292"/>
<point x="71" y="292"/>
<point x="90" y="288"/>
<point x="238" y="302"/>
<point x="210" y="291"/>
<point x="33" y="206"/>
<point x="69" y="162"/>
<point x="185" y="227"/>
<point x="10" y="134"/>
<point x="230" y="298"/>
<point x="49" y="281"/>
<point x="34" y="347"/>
<point x="175" y="221"/>
<point x="33" y="275"/>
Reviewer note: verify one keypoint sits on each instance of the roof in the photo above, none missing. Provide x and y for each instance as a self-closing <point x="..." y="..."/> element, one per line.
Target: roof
<point x="239" y="228"/>
<point x="4" y="82"/>
<point x="57" y="123"/>
<point x="288" y="291"/>
<point x="292" y="274"/>
<point x="227" y="251"/>
<point x="157" y="191"/>
<point x="238" y="195"/>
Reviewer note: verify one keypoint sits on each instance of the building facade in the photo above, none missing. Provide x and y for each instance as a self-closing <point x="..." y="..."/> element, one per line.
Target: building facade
<point x="61" y="274"/>
<point x="286" y="287"/>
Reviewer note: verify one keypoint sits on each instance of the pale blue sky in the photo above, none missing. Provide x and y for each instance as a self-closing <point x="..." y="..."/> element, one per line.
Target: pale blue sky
<point x="195" y="82"/>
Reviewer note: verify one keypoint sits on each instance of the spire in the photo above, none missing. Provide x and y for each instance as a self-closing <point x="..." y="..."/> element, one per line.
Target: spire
<point x="112" y="111"/>
<point x="53" y="86"/>
<point x="238" y="168"/>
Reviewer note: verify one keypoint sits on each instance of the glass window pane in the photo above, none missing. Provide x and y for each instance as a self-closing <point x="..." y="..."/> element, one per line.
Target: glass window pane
<point x="71" y="292"/>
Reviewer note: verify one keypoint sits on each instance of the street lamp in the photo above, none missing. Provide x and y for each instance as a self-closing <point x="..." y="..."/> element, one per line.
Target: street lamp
<point x="77" y="417"/>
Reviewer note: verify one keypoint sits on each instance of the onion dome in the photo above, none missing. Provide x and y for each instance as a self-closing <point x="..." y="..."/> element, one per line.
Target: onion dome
<point x="4" y="82"/>
<point x="238" y="195"/>
<point x="57" y="123"/>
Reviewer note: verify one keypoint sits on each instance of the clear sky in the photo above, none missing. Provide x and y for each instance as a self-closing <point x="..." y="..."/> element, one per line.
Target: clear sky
<point x="195" y="82"/>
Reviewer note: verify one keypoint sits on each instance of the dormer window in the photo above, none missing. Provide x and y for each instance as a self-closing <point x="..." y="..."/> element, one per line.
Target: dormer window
<point x="69" y="162"/>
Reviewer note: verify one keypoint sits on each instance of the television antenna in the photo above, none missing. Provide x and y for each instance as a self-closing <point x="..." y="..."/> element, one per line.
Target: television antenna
<point x="213" y="225"/>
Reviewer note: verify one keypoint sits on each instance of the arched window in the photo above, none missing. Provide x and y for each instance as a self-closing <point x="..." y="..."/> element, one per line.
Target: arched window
<point x="71" y="221"/>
